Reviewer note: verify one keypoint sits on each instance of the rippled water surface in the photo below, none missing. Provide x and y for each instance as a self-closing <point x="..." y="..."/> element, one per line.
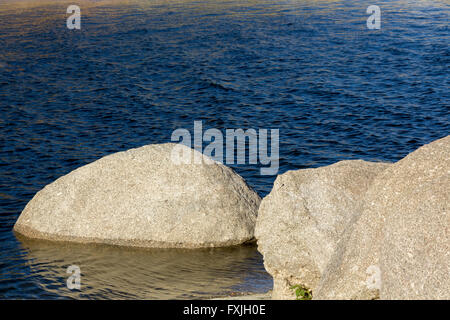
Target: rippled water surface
<point x="137" y="70"/>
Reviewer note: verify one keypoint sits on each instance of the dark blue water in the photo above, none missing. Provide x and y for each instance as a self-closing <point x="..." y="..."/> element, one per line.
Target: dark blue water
<point x="137" y="70"/>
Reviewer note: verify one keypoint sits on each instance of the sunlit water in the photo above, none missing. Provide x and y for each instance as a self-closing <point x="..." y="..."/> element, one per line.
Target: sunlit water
<point x="137" y="70"/>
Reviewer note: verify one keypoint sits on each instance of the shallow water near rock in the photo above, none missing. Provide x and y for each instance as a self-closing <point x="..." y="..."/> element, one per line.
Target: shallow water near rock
<point x="113" y="272"/>
<point x="137" y="70"/>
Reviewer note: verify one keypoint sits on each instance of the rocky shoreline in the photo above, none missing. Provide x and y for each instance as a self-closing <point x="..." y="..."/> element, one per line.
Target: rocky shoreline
<point x="359" y="230"/>
<point x="351" y="230"/>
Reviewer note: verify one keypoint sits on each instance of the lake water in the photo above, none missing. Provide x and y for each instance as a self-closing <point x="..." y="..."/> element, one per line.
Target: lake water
<point x="137" y="70"/>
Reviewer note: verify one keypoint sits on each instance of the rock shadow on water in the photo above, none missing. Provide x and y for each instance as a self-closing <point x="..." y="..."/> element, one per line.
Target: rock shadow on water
<point x="113" y="272"/>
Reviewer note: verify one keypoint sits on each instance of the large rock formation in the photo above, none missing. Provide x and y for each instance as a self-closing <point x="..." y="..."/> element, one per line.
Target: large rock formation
<point x="142" y="197"/>
<point x="302" y="220"/>
<point x="400" y="246"/>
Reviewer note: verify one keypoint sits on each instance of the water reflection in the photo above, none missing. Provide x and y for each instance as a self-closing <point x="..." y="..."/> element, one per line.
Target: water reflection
<point x="113" y="272"/>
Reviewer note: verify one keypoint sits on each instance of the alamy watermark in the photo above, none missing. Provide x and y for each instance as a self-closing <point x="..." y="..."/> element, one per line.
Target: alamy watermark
<point x="74" y="20"/>
<point x="234" y="140"/>
<point x="74" y="281"/>
<point x="374" y="20"/>
<point x="373" y="281"/>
